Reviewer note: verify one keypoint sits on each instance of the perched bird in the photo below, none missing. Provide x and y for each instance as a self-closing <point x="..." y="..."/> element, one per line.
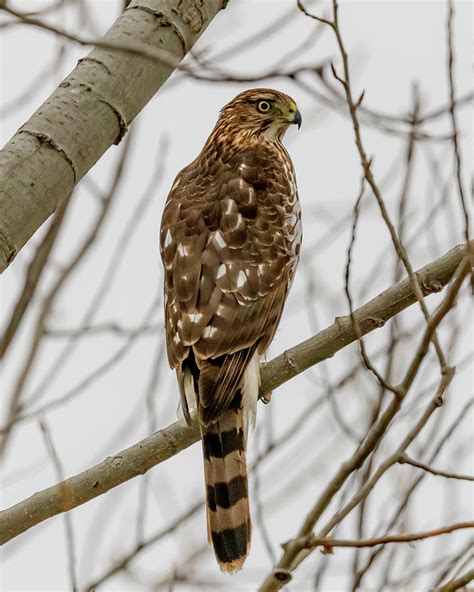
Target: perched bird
<point x="230" y="242"/>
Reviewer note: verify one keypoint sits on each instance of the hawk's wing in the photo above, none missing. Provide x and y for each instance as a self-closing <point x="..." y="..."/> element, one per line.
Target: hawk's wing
<point x="228" y="263"/>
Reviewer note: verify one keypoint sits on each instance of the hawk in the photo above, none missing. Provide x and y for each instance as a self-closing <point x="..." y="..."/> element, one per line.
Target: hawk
<point x="230" y="241"/>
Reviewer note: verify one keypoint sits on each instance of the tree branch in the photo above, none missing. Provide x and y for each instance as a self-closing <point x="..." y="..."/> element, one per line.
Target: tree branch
<point x="293" y="556"/>
<point x="405" y="459"/>
<point x="91" y="110"/>
<point x="14" y="404"/>
<point x="164" y="444"/>
<point x="33" y="275"/>
<point x="400" y="507"/>
<point x="373" y="315"/>
<point x="458" y="583"/>
<point x="454" y="126"/>
<point x="329" y="543"/>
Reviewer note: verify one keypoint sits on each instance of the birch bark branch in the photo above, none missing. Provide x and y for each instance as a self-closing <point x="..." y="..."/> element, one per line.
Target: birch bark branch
<point x="91" y="110"/>
<point x="164" y="444"/>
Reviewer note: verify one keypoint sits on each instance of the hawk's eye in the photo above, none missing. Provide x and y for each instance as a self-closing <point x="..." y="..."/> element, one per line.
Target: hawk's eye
<point x="264" y="106"/>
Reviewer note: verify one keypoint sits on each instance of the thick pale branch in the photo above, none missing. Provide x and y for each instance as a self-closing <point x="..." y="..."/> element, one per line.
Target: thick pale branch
<point x="81" y="488"/>
<point x="164" y="444"/>
<point x="91" y="110"/>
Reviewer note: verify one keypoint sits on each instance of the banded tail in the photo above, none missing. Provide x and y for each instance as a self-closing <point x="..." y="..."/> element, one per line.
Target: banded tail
<point x="225" y="391"/>
<point x="225" y="469"/>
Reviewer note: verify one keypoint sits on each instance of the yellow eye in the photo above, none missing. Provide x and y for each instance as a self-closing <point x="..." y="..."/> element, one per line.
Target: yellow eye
<point x="264" y="106"/>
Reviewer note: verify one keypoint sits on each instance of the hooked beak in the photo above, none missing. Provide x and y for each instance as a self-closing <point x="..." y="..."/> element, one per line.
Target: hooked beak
<point x="297" y="119"/>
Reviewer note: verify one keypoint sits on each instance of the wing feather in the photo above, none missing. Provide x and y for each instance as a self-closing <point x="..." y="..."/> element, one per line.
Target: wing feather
<point x="228" y="267"/>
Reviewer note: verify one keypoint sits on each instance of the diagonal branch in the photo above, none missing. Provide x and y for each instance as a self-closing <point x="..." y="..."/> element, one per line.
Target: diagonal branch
<point x="45" y="159"/>
<point x="373" y="315"/>
<point x="33" y="275"/>
<point x="458" y="583"/>
<point x="406" y="460"/>
<point x="14" y="404"/>
<point x="293" y="556"/>
<point x="164" y="444"/>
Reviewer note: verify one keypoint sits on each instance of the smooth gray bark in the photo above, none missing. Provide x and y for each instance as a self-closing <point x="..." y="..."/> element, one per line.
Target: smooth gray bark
<point x="91" y="110"/>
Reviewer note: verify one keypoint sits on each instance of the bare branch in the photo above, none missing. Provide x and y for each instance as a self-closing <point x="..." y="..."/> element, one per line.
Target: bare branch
<point x="365" y="358"/>
<point x="366" y="167"/>
<point x="409" y="492"/>
<point x="45" y="159"/>
<point x="167" y="442"/>
<point x="33" y="276"/>
<point x="328" y="543"/>
<point x="139" y="49"/>
<point x="394" y="327"/>
<point x="124" y="240"/>
<point x="292" y="556"/>
<point x="458" y="583"/>
<point x="15" y="404"/>
<point x="67" y="517"/>
<point x="406" y="460"/>
<point x="145" y="543"/>
<point x="371" y="316"/>
<point x="454" y="125"/>
<point x="313" y="16"/>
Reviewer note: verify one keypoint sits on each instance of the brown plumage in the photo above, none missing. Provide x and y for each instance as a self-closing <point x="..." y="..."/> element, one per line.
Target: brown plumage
<point x="230" y="241"/>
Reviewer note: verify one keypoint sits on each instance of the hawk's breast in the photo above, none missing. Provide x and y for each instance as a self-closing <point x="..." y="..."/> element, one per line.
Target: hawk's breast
<point x="291" y="228"/>
<point x="230" y="240"/>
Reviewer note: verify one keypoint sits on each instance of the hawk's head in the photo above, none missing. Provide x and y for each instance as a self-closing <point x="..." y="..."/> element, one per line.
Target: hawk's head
<point x="260" y="112"/>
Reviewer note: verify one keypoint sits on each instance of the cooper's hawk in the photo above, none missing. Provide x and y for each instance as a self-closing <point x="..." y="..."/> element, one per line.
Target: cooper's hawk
<point x="230" y="242"/>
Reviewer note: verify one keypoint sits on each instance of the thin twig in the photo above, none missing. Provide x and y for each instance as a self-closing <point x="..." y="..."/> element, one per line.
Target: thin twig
<point x="365" y="358"/>
<point x="329" y="543"/>
<point x="70" y="545"/>
<point x="14" y="405"/>
<point x="454" y="125"/>
<point x="94" y="375"/>
<point x="409" y="492"/>
<point x="292" y="556"/>
<point x="106" y="283"/>
<point x="156" y="53"/>
<point x="145" y="543"/>
<point x="366" y="167"/>
<point x="33" y="276"/>
<point x="406" y="460"/>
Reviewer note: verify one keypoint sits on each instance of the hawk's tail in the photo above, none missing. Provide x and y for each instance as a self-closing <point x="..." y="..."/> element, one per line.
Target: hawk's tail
<point x="225" y="471"/>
